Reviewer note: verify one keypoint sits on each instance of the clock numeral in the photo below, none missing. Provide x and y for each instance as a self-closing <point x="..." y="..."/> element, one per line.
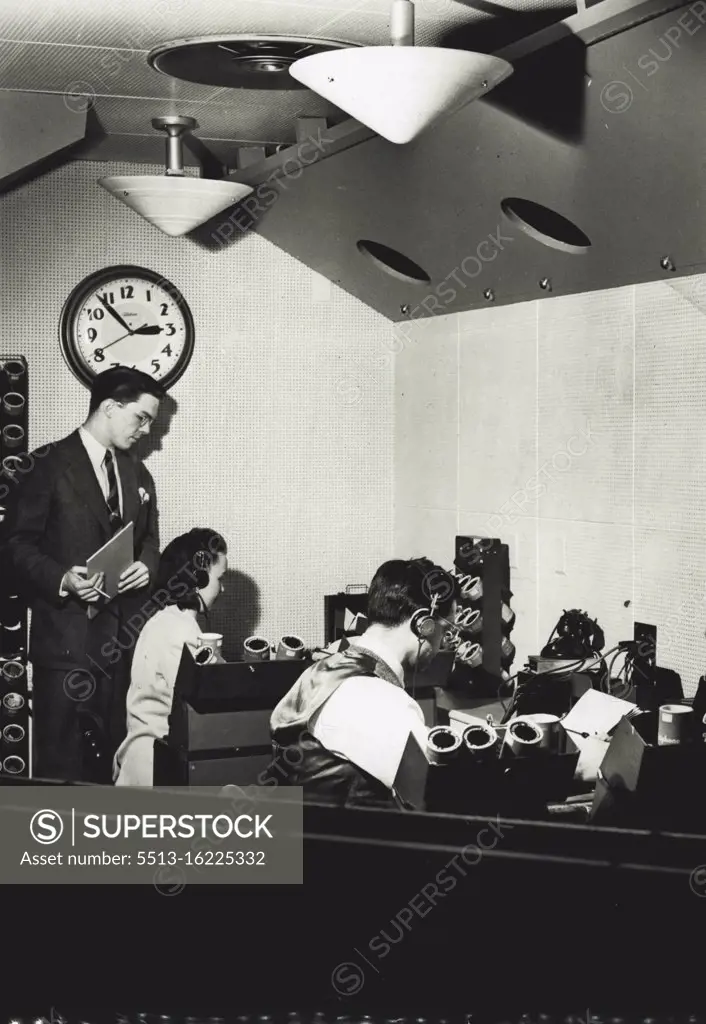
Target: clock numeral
<point x="164" y="309"/>
<point x="116" y="364"/>
<point x="156" y="366"/>
<point x="167" y="350"/>
<point x="149" y="295"/>
<point x="92" y="333"/>
<point x="126" y="291"/>
<point x="108" y="297"/>
<point x="96" y="314"/>
<point x="99" y="355"/>
<point x="171" y="330"/>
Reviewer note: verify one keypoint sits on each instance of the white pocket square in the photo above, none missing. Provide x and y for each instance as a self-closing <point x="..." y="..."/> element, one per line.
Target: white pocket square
<point x="144" y="496"/>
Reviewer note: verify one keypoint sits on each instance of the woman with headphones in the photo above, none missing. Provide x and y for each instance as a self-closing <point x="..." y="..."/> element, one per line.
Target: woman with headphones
<point x="188" y="584"/>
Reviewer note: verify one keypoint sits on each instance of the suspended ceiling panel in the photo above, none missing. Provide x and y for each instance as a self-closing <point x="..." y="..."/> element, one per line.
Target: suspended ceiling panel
<point x="134" y="24"/>
<point x="98" y="49"/>
<point x="610" y="137"/>
<point x="125" y="96"/>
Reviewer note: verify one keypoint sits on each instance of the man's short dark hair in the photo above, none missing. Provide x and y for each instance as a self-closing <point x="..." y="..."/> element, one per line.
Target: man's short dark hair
<point x="400" y="587"/>
<point x="122" y="384"/>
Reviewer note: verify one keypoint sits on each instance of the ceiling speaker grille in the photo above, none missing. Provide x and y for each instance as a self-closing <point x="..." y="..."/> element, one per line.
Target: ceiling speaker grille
<point x="238" y="62"/>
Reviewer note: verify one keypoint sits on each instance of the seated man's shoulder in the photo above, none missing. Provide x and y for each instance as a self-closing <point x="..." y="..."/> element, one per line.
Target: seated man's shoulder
<point x="346" y="653"/>
<point x="379" y="689"/>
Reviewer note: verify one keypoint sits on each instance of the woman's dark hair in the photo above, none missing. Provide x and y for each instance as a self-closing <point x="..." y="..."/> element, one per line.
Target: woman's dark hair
<point x="183" y="567"/>
<point x="400" y="587"/>
<point x="123" y="384"/>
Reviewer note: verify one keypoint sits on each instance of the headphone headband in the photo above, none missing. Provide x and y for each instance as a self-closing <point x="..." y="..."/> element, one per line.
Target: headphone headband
<point x="423" y="623"/>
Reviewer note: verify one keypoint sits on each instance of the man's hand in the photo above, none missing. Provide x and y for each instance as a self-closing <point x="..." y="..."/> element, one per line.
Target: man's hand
<point x="84" y="588"/>
<point x="134" y="577"/>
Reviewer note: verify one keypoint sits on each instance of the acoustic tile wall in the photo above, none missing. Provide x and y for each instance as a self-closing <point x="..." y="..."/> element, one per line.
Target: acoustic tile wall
<point x="282" y="435"/>
<point x="581" y="443"/>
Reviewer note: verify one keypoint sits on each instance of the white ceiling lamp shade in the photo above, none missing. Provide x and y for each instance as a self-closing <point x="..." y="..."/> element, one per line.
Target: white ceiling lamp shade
<point x="401" y="90"/>
<point x="175" y="203"/>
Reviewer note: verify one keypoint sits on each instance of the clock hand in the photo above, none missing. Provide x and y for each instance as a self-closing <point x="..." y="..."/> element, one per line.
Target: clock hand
<point x="113" y="313"/>
<point x="145" y="329"/>
<point x="128" y="335"/>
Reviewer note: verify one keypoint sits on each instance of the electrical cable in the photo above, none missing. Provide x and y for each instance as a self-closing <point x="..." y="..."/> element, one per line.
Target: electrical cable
<point x="416" y="667"/>
<point x="551" y="635"/>
<point x="203" y="610"/>
<point x="626" y="672"/>
<point x="514" y="691"/>
<point x="552" y="671"/>
<point x="610" y="667"/>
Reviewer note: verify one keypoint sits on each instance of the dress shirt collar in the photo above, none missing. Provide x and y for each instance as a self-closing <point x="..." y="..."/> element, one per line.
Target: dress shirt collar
<point x="96" y="450"/>
<point x="376" y="647"/>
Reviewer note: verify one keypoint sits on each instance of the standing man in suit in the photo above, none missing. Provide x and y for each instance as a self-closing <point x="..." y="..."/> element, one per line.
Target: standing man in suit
<point x="75" y="498"/>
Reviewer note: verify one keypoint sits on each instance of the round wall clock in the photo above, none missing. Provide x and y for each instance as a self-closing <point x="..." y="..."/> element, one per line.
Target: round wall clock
<point x="127" y="316"/>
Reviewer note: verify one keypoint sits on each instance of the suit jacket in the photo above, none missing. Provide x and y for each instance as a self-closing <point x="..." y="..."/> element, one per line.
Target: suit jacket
<point x="58" y="519"/>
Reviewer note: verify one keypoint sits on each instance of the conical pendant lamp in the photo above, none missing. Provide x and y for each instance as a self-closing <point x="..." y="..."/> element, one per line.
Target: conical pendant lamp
<point x="174" y="202"/>
<point x="400" y="90"/>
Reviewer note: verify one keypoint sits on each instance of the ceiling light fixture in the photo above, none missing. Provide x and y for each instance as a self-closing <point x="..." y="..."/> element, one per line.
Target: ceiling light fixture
<point x="174" y="202"/>
<point x="402" y="89"/>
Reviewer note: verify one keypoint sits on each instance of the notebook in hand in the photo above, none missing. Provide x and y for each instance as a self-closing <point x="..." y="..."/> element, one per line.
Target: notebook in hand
<point x="112" y="559"/>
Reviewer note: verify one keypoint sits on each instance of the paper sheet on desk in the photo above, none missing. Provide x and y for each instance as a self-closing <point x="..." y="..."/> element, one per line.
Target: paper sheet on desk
<point x="596" y="714"/>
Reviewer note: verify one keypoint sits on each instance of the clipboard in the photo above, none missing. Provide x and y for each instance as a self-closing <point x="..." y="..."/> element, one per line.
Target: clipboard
<point x="112" y="559"/>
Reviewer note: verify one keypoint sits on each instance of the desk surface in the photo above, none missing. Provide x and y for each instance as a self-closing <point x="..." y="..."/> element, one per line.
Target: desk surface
<point x="456" y="700"/>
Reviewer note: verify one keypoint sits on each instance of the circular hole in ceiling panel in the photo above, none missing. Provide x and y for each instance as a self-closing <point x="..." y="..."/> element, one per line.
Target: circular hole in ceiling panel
<point x="545" y="225"/>
<point x="393" y="262"/>
<point x="238" y="62"/>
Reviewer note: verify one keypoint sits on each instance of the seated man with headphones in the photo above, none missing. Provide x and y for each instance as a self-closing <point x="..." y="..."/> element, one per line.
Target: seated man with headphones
<point x="342" y="729"/>
<point x="188" y="584"/>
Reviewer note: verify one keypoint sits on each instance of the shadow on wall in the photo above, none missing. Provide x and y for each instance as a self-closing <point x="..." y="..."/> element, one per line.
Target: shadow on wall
<point x="145" y="447"/>
<point x="232" y="224"/>
<point x="503" y="27"/>
<point x="237" y="612"/>
<point x="548" y="88"/>
<point x="153" y="443"/>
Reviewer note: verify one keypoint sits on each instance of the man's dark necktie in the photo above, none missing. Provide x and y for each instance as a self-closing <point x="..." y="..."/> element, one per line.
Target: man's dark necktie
<point x="113" y="500"/>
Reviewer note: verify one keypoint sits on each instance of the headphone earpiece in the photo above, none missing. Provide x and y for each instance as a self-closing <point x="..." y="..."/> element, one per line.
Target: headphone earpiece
<point x="202" y="563"/>
<point x="423" y="624"/>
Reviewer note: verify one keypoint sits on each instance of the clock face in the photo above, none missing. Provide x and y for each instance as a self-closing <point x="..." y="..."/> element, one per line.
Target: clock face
<point x="127" y="316"/>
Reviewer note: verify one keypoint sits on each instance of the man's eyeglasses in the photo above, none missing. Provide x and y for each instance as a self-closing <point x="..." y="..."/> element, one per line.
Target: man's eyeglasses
<point x="143" y="418"/>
